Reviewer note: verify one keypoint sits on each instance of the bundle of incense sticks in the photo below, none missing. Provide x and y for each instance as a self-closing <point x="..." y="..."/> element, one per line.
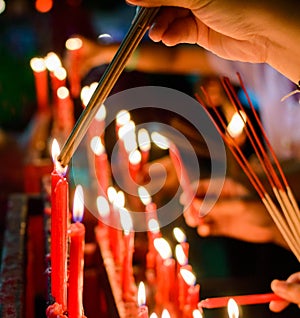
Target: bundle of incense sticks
<point x="283" y="207"/>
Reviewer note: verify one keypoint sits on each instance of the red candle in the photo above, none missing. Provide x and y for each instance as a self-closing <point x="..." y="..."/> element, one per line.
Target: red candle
<point x="41" y="83"/>
<point x="142" y="309"/>
<point x="74" y="46"/>
<point x="59" y="221"/>
<point x="135" y="164"/>
<point x="254" y="299"/>
<point x="65" y="110"/>
<point x="127" y="269"/>
<point x="183" y="286"/>
<point x="76" y="234"/>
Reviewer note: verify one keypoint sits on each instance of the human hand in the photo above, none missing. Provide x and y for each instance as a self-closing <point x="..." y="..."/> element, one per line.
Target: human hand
<point x="233" y="216"/>
<point x="251" y="31"/>
<point x="289" y="290"/>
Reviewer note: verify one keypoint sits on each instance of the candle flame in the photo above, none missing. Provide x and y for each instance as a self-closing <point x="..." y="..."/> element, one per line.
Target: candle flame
<point x="73" y="44"/>
<point x="103" y="206"/>
<point x="111" y="194"/>
<point x="123" y="117"/>
<point x="126" y="221"/>
<point x="161" y="141"/>
<point x="197" y="313"/>
<point x="78" y="205"/>
<point x="144" y="195"/>
<point x="101" y="113"/>
<point x="60" y="73"/>
<point x="188" y="276"/>
<point x="85" y="95"/>
<point x="165" y="314"/>
<point x="153" y="226"/>
<point x="163" y="248"/>
<point x="38" y="64"/>
<point x="141" y="294"/>
<point x="62" y="92"/>
<point x="119" y="199"/>
<point x="180" y="255"/>
<point x="135" y="157"/>
<point x="104" y="36"/>
<point x="179" y="235"/>
<point x="232" y="308"/>
<point x="52" y="61"/>
<point x="97" y="146"/>
<point x="55" y="151"/>
<point x="144" y="140"/>
<point x="153" y="315"/>
<point x="127" y="128"/>
<point x="237" y="123"/>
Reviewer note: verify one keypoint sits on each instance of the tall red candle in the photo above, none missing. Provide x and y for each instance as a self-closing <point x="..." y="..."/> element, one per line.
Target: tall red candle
<point x="127" y="269"/>
<point x="41" y="83"/>
<point x="76" y="234"/>
<point x="59" y="221"/>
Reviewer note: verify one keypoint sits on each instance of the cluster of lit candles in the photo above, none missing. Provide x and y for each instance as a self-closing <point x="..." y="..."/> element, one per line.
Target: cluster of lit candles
<point x="173" y="281"/>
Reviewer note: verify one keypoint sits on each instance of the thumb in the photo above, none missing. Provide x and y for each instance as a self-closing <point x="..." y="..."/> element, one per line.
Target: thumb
<point x="289" y="291"/>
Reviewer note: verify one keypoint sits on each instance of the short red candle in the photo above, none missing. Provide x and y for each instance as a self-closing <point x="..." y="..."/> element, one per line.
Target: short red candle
<point x="75" y="306"/>
<point x="142" y="309"/>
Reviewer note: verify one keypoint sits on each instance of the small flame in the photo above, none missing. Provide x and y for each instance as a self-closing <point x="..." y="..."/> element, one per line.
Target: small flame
<point x="55" y="151"/>
<point x="232" y="308"/>
<point x="101" y="113"/>
<point x="165" y="314"/>
<point x="111" y="194"/>
<point x="141" y="294"/>
<point x="160" y="140"/>
<point x="237" y="123"/>
<point x="119" y="200"/>
<point x="144" y="140"/>
<point x="38" y="64"/>
<point x="78" y="205"/>
<point x="60" y="73"/>
<point x="144" y="195"/>
<point x="62" y="92"/>
<point x="163" y="248"/>
<point x="126" y="221"/>
<point x="127" y="128"/>
<point x="179" y="235"/>
<point x="52" y="61"/>
<point x="153" y="315"/>
<point x="103" y="206"/>
<point x="153" y="226"/>
<point x="180" y="255"/>
<point x="97" y="146"/>
<point x="85" y="95"/>
<point x="188" y="276"/>
<point x="73" y="44"/>
<point x="122" y="118"/>
<point x="197" y="313"/>
<point x="135" y="157"/>
<point x="104" y="36"/>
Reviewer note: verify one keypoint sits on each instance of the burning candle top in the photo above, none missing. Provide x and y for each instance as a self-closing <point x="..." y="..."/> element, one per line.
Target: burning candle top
<point x="78" y="204"/>
<point x="188" y="276"/>
<point x="52" y="61"/>
<point x="179" y="235"/>
<point x="55" y="151"/>
<point x="197" y="313"/>
<point x="163" y="248"/>
<point x="165" y="314"/>
<point x="180" y="255"/>
<point x="126" y="221"/>
<point x="103" y="208"/>
<point x="141" y="294"/>
<point x="232" y="308"/>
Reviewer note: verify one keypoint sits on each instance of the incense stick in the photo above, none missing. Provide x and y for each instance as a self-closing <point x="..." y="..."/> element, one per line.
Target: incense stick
<point x="287" y="217"/>
<point x="133" y="37"/>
